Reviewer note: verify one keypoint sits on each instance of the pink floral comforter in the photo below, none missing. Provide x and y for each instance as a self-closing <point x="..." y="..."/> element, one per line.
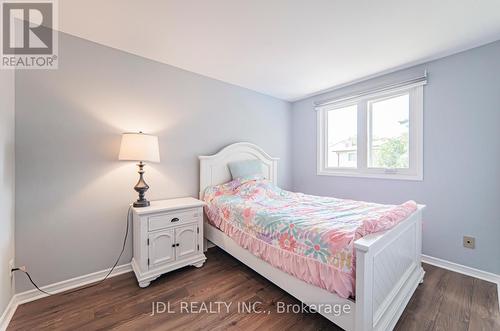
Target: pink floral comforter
<point x="309" y="237"/>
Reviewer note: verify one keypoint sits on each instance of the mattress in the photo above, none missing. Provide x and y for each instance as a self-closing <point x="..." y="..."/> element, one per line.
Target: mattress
<point x="309" y="237"/>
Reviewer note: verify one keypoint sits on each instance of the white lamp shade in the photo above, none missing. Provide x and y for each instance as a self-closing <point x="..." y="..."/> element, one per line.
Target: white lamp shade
<point x="139" y="147"/>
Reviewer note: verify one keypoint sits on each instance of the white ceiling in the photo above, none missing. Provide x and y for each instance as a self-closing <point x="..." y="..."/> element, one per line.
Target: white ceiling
<point x="285" y="48"/>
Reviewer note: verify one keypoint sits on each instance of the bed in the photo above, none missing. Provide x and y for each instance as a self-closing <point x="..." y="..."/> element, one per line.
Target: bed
<point x="387" y="264"/>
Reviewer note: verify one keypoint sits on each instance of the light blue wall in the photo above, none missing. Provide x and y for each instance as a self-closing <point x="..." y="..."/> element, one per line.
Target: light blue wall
<point x="461" y="186"/>
<point x="73" y="193"/>
<point x="6" y="184"/>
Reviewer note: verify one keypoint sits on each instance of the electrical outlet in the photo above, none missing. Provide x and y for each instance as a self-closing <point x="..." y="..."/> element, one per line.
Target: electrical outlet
<point x="11" y="266"/>
<point x="469" y="242"/>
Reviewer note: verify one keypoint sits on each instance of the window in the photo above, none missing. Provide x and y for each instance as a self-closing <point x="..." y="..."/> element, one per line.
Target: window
<point x="374" y="134"/>
<point x="352" y="157"/>
<point x="342" y="137"/>
<point x="389" y="131"/>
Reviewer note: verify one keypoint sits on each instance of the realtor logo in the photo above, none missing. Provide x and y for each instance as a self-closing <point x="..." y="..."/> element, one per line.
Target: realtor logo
<point x="29" y="35"/>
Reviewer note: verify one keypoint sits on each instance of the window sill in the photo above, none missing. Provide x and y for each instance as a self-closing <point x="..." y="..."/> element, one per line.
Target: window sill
<point x="391" y="176"/>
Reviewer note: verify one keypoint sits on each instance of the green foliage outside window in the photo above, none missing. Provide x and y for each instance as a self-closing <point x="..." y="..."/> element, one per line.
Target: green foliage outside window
<point x="392" y="153"/>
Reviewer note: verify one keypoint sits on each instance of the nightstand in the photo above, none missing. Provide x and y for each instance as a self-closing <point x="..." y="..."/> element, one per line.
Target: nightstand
<point x="167" y="235"/>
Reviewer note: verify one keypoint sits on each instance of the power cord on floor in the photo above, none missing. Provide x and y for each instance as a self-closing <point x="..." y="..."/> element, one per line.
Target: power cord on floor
<point x="95" y="284"/>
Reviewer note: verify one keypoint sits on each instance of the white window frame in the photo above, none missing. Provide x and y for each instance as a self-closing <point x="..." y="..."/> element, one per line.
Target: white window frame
<point x="363" y="102"/>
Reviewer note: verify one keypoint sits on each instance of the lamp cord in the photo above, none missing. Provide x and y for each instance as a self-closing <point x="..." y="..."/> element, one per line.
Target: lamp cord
<point x="95" y="284"/>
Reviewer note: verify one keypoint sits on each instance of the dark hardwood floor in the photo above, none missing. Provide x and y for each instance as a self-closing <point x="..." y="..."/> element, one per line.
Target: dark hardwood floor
<point x="445" y="301"/>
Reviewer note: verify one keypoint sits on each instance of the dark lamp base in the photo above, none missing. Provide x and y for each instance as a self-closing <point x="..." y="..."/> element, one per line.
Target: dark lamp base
<point x="141" y="187"/>
<point x="140" y="204"/>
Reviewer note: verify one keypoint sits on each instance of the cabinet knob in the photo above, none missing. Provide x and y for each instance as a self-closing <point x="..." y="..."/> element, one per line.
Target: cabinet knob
<point x="175" y="219"/>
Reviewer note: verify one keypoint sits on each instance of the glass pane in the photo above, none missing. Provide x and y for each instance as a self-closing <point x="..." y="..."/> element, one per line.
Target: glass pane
<point x="388" y="139"/>
<point x="342" y="137"/>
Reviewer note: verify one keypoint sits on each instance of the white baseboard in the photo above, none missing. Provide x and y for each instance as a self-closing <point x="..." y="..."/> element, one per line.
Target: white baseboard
<point x="465" y="270"/>
<point x="462" y="269"/>
<point x="8" y="313"/>
<point x="69" y="284"/>
<point x="65" y="285"/>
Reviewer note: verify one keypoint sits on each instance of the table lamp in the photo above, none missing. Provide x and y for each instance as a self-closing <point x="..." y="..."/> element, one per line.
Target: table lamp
<point x="143" y="148"/>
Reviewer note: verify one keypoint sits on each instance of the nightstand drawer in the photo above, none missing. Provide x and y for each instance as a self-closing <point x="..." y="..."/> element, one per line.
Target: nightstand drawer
<point x="162" y="221"/>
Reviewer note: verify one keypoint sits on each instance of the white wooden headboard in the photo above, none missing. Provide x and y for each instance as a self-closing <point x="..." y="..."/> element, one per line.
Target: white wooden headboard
<point x="214" y="169"/>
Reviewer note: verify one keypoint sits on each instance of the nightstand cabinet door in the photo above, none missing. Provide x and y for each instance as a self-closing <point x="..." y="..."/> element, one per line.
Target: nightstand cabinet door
<point x="167" y="236"/>
<point x="161" y="248"/>
<point x="186" y="238"/>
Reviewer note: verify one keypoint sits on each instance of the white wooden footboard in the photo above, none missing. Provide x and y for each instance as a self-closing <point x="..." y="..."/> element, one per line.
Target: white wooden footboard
<point x="388" y="270"/>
